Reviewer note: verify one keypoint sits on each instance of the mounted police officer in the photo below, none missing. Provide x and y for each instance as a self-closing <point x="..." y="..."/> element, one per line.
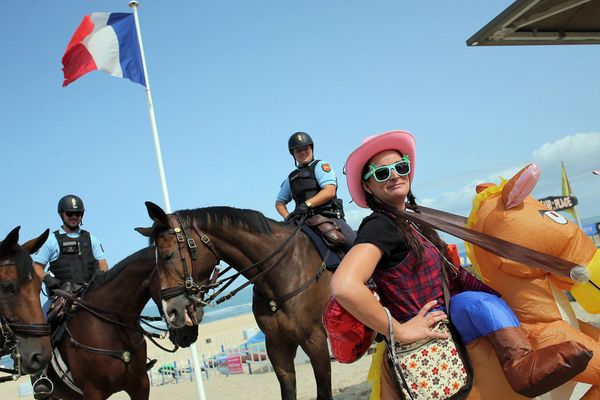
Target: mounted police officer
<point x="312" y="185"/>
<point x="73" y="255"/>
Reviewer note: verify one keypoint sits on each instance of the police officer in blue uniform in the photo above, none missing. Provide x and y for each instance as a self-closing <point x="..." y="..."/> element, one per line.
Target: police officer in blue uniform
<point x="73" y="255"/>
<point x="312" y="185"/>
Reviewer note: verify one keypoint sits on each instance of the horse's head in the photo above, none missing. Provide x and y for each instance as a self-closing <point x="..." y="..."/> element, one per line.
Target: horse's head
<point x="182" y="337"/>
<point x="183" y="267"/>
<point x="510" y="213"/>
<point x="23" y="326"/>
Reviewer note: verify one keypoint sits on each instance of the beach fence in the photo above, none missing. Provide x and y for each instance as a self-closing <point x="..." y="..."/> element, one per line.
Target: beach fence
<point x="226" y="354"/>
<point x="249" y="357"/>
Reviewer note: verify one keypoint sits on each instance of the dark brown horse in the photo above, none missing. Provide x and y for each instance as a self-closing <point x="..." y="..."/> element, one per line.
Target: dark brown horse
<point x="103" y="346"/>
<point x="284" y="262"/>
<point x="23" y="330"/>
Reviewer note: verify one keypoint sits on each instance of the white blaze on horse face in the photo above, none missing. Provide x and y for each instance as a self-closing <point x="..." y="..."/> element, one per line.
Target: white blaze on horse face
<point x="170" y="318"/>
<point x="556" y="217"/>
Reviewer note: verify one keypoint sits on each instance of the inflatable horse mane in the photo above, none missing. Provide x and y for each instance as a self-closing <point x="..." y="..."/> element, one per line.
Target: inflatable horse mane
<point x="537" y="297"/>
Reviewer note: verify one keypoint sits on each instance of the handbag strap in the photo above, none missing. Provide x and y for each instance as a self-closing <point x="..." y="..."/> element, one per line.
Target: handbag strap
<point x="392" y="349"/>
<point x="391" y="329"/>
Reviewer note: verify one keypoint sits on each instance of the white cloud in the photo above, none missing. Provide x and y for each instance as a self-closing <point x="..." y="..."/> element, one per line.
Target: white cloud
<point x="579" y="152"/>
<point x="459" y="201"/>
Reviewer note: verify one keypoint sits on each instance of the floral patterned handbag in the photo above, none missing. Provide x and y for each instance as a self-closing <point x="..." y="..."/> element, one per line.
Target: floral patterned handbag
<point x="430" y="368"/>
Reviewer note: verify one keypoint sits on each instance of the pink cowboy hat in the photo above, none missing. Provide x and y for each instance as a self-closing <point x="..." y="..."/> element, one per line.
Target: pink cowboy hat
<point x="400" y="141"/>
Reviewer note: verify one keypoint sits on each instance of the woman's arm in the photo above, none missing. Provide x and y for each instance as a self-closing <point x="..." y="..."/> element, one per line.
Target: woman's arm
<point x="348" y="288"/>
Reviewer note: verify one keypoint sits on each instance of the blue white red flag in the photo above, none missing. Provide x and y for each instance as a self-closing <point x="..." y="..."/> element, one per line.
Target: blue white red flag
<point x="107" y="42"/>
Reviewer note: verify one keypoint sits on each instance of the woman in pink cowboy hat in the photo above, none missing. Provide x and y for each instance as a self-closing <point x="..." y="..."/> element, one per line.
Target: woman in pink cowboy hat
<point x="406" y="260"/>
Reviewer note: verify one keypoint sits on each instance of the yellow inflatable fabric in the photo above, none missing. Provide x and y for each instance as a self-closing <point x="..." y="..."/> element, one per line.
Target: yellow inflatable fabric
<point x="536" y="296"/>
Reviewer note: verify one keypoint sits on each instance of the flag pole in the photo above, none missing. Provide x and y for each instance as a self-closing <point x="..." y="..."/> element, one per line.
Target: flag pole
<point x="161" y="169"/>
<point x="163" y="181"/>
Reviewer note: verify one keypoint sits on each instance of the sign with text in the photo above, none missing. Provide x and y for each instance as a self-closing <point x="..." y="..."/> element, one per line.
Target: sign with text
<point x="234" y="364"/>
<point x="559" y="203"/>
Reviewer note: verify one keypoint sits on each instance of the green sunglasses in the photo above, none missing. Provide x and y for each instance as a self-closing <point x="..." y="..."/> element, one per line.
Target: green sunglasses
<point x="384" y="172"/>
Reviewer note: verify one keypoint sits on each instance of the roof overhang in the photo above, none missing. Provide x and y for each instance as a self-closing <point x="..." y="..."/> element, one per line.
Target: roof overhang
<point x="542" y="22"/>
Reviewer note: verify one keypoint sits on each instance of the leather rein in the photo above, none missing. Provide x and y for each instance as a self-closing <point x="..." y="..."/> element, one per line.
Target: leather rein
<point x="103" y="314"/>
<point x="196" y="292"/>
<point x="10" y="341"/>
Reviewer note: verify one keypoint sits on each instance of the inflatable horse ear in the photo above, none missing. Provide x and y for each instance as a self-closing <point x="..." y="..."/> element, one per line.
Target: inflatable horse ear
<point x="520" y="186"/>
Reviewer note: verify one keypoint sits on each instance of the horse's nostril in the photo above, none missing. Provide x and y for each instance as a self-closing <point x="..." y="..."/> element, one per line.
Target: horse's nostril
<point x="35" y="363"/>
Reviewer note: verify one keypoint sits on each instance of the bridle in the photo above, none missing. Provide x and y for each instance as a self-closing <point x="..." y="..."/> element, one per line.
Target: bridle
<point x="10" y="332"/>
<point x="192" y="290"/>
<point x="196" y="292"/>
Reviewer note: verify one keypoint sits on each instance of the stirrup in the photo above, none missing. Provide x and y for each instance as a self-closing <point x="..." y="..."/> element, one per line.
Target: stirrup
<point x="42" y="388"/>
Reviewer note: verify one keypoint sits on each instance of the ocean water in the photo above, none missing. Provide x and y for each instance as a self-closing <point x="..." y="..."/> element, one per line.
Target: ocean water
<point x="239" y="304"/>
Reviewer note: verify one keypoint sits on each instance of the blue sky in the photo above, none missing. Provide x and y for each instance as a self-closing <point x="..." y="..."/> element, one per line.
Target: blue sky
<point x="231" y="80"/>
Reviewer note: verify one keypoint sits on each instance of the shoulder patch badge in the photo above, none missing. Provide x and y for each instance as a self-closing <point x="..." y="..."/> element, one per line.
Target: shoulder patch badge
<point x="326" y="167"/>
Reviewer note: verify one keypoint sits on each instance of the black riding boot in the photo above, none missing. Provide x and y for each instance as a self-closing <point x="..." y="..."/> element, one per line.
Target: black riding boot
<point x="42" y="386"/>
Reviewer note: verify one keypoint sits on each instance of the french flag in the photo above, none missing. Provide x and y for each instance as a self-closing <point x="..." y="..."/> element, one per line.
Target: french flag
<point x="108" y="42"/>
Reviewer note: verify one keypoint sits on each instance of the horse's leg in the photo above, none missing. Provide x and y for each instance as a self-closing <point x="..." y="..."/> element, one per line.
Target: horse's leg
<point x="141" y="391"/>
<point x="316" y="349"/>
<point x="282" y="354"/>
<point x="91" y="392"/>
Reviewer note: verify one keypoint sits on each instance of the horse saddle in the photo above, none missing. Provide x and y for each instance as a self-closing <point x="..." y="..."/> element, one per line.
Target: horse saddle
<point x="61" y="308"/>
<point x="331" y="256"/>
<point x="329" y="230"/>
<point x="62" y="305"/>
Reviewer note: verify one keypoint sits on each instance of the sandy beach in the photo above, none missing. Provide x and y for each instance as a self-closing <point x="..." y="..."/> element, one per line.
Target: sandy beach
<point x="349" y="380"/>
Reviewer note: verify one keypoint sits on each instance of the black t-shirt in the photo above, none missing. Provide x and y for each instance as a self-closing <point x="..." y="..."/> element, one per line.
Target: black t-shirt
<point x="379" y="230"/>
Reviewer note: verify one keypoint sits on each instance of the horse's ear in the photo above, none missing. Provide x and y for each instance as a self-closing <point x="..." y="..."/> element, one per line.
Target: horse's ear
<point x="144" y="231"/>
<point x="520" y="186"/>
<point x="34" y="244"/>
<point x="157" y="214"/>
<point x="11" y="240"/>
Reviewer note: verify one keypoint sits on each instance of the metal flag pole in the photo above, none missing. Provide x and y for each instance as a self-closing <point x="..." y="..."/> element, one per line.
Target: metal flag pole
<point x="163" y="181"/>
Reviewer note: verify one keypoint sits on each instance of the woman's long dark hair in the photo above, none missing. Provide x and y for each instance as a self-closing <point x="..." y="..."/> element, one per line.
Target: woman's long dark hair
<point x="404" y="226"/>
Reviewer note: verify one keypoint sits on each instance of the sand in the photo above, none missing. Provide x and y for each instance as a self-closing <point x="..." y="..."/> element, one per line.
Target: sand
<point x="349" y="380"/>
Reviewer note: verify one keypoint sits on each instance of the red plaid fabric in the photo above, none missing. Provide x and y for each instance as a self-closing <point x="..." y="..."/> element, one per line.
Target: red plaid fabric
<point x="405" y="288"/>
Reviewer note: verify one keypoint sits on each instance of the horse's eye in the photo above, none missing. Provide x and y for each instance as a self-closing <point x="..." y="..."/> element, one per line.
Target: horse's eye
<point x="7" y="288"/>
<point x="169" y="256"/>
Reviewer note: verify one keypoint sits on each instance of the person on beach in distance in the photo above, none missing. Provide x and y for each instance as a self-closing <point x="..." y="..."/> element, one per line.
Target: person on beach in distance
<point x="405" y="261"/>
<point x="312" y="184"/>
<point x="73" y="255"/>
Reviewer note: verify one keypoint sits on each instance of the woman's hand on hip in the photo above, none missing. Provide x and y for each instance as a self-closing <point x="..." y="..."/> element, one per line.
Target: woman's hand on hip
<point x="419" y="327"/>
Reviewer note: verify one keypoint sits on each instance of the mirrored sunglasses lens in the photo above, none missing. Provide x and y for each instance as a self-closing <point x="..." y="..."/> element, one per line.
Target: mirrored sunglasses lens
<point x="382" y="174"/>
<point x="402" y="168"/>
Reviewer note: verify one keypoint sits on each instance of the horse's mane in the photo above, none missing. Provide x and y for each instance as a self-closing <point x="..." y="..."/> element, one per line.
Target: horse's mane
<point x="207" y="217"/>
<point x="99" y="279"/>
